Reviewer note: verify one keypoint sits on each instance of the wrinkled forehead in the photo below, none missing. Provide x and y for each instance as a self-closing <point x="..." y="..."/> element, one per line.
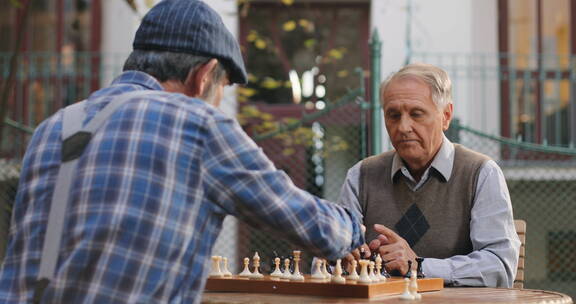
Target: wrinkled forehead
<point x="406" y="88"/>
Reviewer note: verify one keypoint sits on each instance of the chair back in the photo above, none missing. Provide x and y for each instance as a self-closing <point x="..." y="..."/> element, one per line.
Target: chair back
<point x="521" y="230"/>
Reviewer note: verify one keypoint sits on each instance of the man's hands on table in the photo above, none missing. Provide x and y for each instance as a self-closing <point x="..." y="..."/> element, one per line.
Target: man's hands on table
<point x="393" y="249"/>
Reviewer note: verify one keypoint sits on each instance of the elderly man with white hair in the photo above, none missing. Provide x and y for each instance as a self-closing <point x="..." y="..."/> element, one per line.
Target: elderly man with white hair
<point x="431" y="198"/>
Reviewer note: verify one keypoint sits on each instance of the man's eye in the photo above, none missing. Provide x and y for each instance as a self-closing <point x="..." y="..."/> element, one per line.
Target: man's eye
<point x="417" y="114"/>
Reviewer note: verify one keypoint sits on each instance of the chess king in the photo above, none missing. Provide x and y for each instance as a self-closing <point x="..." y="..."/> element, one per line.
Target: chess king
<point x="431" y="198"/>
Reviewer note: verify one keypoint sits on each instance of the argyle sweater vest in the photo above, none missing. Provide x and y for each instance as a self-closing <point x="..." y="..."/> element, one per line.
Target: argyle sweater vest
<point x="435" y="219"/>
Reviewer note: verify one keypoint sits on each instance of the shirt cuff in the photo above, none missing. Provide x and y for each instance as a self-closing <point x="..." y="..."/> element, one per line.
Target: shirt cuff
<point x="357" y="235"/>
<point x="438" y="268"/>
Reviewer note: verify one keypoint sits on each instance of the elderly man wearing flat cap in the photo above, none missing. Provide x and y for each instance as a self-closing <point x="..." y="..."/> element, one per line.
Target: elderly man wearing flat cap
<point x="122" y="196"/>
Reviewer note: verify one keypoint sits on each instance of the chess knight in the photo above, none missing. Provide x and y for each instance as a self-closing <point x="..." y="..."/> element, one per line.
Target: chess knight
<point x="429" y="197"/>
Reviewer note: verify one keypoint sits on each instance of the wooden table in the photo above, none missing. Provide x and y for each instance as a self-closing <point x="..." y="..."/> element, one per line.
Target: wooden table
<point x="447" y="295"/>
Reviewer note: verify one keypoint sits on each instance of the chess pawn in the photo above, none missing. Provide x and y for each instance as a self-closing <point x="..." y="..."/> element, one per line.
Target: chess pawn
<point x="379" y="268"/>
<point x="226" y="272"/>
<point x="297" y="276"/>
<point x="353" y="276"/>
<point x="371" y="273"/>
<point x="409" y="272"/>
<point x="364" y="277"/>
<point x="406" y="295"/>
<point x="246" y="272"/>
<point x="318" y="274"/>
<point x="277" y="273"/>
<point x="327" y="275"/>
<point x="215" y="272"/>
<point x="286" y="274"/>
<point x="256" y="263"/>
<point x="337" y="277"/>
<point x="419" y="273"/>
<point x="414" y="286"/>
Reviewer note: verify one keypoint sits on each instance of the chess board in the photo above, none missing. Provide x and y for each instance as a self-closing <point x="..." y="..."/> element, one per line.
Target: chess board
<point x="391" y="286"/>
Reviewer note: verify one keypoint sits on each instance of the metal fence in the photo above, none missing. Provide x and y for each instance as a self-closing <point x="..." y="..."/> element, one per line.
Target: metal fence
<point x="542" y="184"/>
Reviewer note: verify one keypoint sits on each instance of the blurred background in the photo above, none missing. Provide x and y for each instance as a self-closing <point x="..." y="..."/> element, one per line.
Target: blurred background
<point x="311" y="102"/>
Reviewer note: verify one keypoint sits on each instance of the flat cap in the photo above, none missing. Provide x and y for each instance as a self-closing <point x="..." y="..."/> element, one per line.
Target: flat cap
<point x="191" y="26"/>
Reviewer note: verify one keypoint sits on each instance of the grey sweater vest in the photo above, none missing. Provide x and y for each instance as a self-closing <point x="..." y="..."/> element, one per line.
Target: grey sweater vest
<point x="445" y="205"/>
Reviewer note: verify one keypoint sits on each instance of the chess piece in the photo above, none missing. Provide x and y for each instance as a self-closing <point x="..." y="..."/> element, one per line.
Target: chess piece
<point x="419" y="272"/>
<point x="318" y="274"/>
<point x="327" y="275"/>
<point x="414" y="286"/>
<point x="362" y="253"/>
<point x="276" y="273"/>
<point x="286" y="274"/>
<point x="297" y="276"/>
<point x="337" y="277"/>
<point x="256" y="263"/>
<point x="406" y="295"/>
<point x="379" y="268"/>
<point x="353" y="276"/>
<point x="225" y="271"/>
<point x="371" y="273"/>
<point x="215" y="271"/>
<point x="246" y="272"/>
<point x="364" y="277"/>
<point x="409" y="272"/>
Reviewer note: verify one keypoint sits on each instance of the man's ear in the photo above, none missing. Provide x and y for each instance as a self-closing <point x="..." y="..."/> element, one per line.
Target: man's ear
<point x="198" y="79"/>
<point x="447" y="116"/>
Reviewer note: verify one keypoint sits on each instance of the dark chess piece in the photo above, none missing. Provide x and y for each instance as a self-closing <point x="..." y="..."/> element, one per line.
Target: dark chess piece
<point x="419" y="273"/>
<point x="409" y="272"/>
<point x="385" y="273"/>
<point x="362" y="253"/>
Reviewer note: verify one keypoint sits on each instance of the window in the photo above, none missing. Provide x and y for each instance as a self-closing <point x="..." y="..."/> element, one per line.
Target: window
<point x="537" y="59"/>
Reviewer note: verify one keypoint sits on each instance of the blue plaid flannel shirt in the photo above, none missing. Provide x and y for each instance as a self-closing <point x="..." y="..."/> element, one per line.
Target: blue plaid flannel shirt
<point x="148" y="201"/>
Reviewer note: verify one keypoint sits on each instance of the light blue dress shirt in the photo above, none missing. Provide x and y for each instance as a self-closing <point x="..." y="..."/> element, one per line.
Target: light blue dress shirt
<point x="496" y="245"/>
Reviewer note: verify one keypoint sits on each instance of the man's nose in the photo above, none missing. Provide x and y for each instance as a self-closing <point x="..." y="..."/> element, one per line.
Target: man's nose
<point x="405" y="124"/>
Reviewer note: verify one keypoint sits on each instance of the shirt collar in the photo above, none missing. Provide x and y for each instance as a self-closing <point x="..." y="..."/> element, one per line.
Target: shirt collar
<point x="443" y="161"/>
<point x="138" y="78"/>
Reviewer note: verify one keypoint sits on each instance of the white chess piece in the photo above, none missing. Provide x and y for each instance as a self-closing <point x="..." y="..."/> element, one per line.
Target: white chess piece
<point x="297" y="276"/>
<point x="276" y="273"/>
<point x="327" y="275"/>
<point x="337" y="277"/>
<point x="406" y="295"/>
<point x="286" y="274"/>
<point x="318" y="274"/>
<point x="371" y="273"/>
<point x="246" y="272"/>
<point x="353" y="276"/>
<point x="225" y="271"/>
<point x="414" y="286"/>
<point x="215" y="272"/>
<point x="364" y="277"/>
<point x="256" y="264"/>
<point x="379" y="268"/>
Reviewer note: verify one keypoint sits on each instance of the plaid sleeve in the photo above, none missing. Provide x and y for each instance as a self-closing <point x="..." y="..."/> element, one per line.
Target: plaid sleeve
<point x="243" y="181"/>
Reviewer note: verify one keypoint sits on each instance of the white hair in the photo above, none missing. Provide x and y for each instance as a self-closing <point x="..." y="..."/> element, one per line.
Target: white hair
<point x="436" y="78"/>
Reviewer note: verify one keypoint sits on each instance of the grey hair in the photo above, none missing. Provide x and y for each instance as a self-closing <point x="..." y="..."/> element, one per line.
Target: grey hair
<point x="168" y="65"/>
<point x="436" y="78"/>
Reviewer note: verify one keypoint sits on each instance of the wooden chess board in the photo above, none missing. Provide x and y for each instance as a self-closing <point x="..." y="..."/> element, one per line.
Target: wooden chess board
<point x="311" y="287"/>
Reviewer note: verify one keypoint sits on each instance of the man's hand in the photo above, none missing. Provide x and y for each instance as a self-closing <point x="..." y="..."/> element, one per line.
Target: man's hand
<point x="393" y="249"/>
